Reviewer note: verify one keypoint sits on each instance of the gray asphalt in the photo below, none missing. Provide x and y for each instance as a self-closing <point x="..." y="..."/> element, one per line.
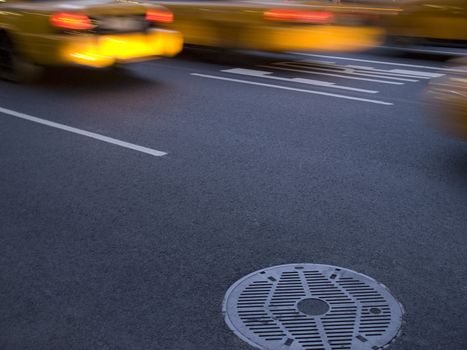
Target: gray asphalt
<point x="103" y="247"/>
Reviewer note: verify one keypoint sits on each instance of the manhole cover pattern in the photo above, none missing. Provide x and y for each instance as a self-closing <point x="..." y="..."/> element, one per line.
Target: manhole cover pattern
<point x="351" y="311"/>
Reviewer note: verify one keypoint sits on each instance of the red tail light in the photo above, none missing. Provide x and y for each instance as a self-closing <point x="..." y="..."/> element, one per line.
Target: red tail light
<point x="159" y="15"/>
<point x="289" y="15"/>
<point x="69" y="20"/>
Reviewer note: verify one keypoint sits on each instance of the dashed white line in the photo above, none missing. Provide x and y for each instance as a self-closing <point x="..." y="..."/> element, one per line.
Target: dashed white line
<point x="267" y="75"/>
<point x="380" y="62"/>
<point x="249" y="82"/>
<point x="81" y="132"/>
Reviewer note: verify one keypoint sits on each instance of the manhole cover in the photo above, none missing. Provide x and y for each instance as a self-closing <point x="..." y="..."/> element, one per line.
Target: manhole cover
<point x="312" y="307"/>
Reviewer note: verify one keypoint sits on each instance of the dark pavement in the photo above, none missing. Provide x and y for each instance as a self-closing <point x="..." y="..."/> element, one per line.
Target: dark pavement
<point x="104" y="247"/>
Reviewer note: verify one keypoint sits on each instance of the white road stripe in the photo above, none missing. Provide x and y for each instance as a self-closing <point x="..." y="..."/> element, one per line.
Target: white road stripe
<point x="266" y="75"/>
<point x="92" y="135"/>
<point x="415" y="49"/>
<point x="332" y="75"/>
<point x="348" y="70"/>
<point x="398" y="72"/>
<point x="384" y="72"/>
<point x="380" y="62"/>
<point x="418" y="73"/>
<point x="292" y="89"/>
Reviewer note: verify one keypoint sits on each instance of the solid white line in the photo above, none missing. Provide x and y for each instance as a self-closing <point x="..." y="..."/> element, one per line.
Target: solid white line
<point x="92" y="135"/>
<point x="266" y="75"/>
<point x="292" y="89"/>
<point x="332" y="75"/>
<point x="380" y="62"/>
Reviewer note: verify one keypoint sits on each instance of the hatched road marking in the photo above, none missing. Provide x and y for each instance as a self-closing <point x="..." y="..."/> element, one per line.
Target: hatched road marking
<point x="349" y="70"/>
<point x="267" y="75"/>
<point x="315" y="72"/>
<point x="310" y="68"/>
<point x="249" y="82"/>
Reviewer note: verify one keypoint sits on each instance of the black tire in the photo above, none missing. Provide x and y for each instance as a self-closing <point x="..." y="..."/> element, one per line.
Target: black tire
<point x="13" y="67"/>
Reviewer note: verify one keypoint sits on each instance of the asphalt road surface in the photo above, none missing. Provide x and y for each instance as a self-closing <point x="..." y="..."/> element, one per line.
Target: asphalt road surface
<point x="131" y="200"/>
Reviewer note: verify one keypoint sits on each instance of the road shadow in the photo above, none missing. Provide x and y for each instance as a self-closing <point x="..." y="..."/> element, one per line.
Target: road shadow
<point x="241" y="58"/>
<point x="77" y="79"/>
<point x="413" y="54"/>
<point x="231" y="57"/>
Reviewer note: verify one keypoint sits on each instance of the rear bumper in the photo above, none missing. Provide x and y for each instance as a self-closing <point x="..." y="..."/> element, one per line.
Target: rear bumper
<point x="103" y="50"/>
<point x="317" y="38"/>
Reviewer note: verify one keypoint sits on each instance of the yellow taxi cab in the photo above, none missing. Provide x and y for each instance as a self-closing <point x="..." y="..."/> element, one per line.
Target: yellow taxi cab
<point x="93" y="33"/>
<point x="272" y="26"/>
<point x="448" y="96"/>
<point x="430" y="20"/>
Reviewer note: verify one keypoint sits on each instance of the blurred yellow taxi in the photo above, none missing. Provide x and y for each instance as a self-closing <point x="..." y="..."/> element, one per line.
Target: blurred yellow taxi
<point x="448" y="96"/>
<point x="434" y="20"/>
<point x="272" y="26"/>
<point x="94" y="33"/>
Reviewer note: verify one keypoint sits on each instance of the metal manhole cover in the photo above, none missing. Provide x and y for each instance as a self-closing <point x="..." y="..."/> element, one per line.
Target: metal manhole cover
<point x="312" y="307"/>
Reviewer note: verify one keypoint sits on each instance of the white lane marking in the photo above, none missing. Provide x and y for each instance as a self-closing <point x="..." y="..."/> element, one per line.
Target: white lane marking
<point x="381" y="62"/>
<point x="414" y="49"/>
<point x="292" y="89"/>
<point x="384" y="72"/>
<point x="266" y="75"/>
<point x="92" y="135"/>
<point x="418" y="73"/>
<point x="398" y="72"/>
<point x="374" y="73"/>
<point x="331" y="75"/>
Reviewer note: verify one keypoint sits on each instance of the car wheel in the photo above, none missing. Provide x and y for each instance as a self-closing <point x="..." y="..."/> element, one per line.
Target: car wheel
<point x="13" y="67"/>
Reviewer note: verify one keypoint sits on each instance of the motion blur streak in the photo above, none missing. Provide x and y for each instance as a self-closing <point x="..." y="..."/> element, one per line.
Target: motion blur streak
<point x="288" y="26"/>
<point x="72" y="21"/>
<point x="95" y="33"/>
<point x="448" y="96"/>
<point x="299" y="16"/>
<point x="111" y="49"/>
<point x="161" y="16"/>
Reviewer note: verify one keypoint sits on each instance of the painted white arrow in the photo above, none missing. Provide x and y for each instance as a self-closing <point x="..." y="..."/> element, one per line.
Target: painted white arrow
<point x="267" y="75"/>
